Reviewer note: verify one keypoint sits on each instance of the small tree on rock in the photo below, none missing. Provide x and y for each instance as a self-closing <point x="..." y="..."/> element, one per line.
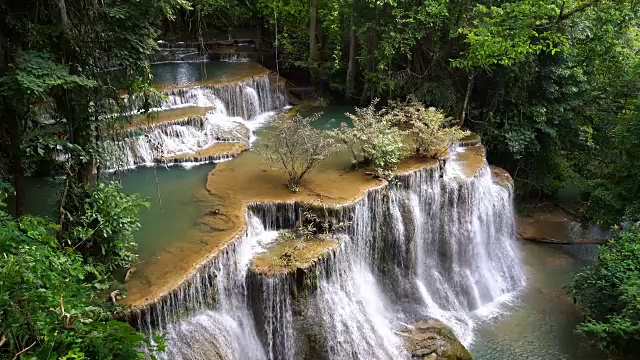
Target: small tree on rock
<point x="431" y="132"/>
<point x="295" y="147"/>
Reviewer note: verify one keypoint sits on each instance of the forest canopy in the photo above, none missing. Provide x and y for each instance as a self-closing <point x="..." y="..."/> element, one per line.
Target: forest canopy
<point x="551" y="86"/>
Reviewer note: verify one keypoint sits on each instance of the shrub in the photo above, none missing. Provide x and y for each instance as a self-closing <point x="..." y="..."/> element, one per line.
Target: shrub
<point x="295" y="147"/>
<point x="104" y="228"/>
<point x="373" y="140"/>
<point x="431" y="132"/>
<point x="609" y="293"/>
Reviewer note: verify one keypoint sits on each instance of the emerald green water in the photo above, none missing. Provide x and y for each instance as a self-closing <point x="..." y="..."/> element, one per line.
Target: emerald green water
<point x="331" y="116"/>
<point x="540" y="325"/>
<point x="174" y="193"/>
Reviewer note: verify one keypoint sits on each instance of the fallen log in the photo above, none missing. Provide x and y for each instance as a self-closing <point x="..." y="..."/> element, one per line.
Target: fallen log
<point x="564" y="242"/>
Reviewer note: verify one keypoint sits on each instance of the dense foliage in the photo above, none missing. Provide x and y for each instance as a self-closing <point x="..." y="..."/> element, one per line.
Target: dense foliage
<point x="53" y="298"/>
<point x="382" y="138"/>
<point x="64" y="66"/>
<point x="430" y="132"/>
<point x="373" y="140"/>
<point x="549" y="85"/>
<point x="104" y="228"/>
<point x="609" y="293"/>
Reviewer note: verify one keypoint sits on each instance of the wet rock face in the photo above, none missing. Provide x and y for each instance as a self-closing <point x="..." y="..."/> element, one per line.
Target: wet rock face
<point x="230" y="131"/>
<point x="433" y="340"/>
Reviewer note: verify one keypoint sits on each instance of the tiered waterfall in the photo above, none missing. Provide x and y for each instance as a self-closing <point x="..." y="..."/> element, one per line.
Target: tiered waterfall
<point x="236" y="110"/>
<point x="430" y="243"/>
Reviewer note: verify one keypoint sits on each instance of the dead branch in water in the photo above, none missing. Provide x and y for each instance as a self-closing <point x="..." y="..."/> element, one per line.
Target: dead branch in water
<point x="563" y="242"/>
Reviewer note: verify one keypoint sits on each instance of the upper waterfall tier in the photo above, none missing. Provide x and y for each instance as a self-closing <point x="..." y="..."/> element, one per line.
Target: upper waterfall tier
<point x="190" y="123"/>
<point x="178" y="116"/>
<point x="207" y="138"/>
<point x="246" y="97"/>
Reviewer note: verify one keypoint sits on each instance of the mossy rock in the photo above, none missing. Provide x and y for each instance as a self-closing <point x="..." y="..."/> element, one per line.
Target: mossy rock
<point x="433" y="340"/>
<point x="291" y="255"/>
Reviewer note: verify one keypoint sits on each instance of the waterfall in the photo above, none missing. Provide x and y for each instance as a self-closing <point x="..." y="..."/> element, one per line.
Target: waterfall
<point x="166" y="140"/>
<point x="465" y="257"/>
<point x="355" y="313"/>
<point x="238" y="109"/>
<point x="234" y="57"/>
<point x="217" y="325"/>
<point x="254" y="101"/>
<point x="273" y="311"/>
<point x="236" y="100"/>
<point x="431" y="243"/>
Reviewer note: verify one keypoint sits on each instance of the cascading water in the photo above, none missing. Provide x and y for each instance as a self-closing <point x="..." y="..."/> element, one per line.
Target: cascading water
<point x="253" y="105"/>
<point x="237" y="101"/>
<point x="222" y="328"/>
<point x="432" y="243"/>
<point x="460" y="234"/>
<point x="238" y="109"/>
<point x="355" y="313"/>
<point x="235" y="57"/>
<point x="170" y="139"/>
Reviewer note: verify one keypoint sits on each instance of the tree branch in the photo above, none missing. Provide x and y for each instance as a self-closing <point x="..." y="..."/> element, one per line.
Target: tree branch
<point x="568" y="14"/>
<point x="24" y="350"/>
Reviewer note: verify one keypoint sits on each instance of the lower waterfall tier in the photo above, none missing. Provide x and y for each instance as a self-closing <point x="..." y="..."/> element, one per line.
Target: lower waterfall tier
<point x="281" y="282"/>
<point x="434" y="243"/>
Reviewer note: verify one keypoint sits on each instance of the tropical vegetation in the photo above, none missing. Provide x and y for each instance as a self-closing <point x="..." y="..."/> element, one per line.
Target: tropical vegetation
<point x="551" y="86"/>
<point x="609" y="293"/>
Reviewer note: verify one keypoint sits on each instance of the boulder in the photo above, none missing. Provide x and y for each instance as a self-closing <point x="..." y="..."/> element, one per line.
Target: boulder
<point x="433" y="340"/>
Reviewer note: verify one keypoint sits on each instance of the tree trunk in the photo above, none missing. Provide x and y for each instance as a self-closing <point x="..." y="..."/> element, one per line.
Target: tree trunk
<point x="467" y="96"/>
<point x="313" y="46"/>
<point x="64" y="20"/>
<point x="17" y="167"/>
<point x="352" y="58"/>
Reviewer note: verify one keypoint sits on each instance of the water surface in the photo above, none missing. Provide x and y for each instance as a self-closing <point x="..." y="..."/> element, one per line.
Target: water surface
<point x="176" y="196"/>
<point x="193" y="72"/>
<point x="177" y="202"/>
<point x="540" y="325"/>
